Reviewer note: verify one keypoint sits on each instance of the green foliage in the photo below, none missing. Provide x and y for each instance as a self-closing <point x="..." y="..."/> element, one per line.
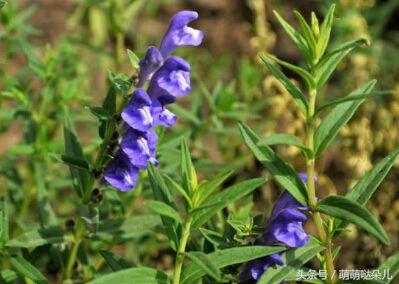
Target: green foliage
<point x="347" y="210"/>
<point x="143" y="275"/>
<point x="294" y="259"/>
<point x="281" y="171"/>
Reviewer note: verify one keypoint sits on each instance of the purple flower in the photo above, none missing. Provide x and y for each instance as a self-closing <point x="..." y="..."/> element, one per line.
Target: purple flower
<point x="138" y="112"/>
<point x="179" y="34"/>
<point x="139" y="147"/>
<point x="162" y="116"/>
<point x="145" y="110"/>
<point x="170" y="81"/>
<point x="285" y="226"/>
<point x="120" y="173"/>
<point x="151" y="62"/>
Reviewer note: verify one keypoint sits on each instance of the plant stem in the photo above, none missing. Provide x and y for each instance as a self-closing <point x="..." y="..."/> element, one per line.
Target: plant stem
<point x="74" y="250"/>
<point x="181" y="249"/>
<point x="310" y="169"/>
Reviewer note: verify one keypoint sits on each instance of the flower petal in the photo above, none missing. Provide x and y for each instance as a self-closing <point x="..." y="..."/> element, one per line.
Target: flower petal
<point x="139" y="147"/>
<point x="120" y="173"/>
<point x="138" y="112"/>
<point x="179" y="34"/>
<point x="171" y="80"/>
<point x="151" y="62"/>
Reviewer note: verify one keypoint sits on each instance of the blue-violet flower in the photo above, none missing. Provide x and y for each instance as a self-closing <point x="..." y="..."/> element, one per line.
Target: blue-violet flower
<point x="285" y="226"/>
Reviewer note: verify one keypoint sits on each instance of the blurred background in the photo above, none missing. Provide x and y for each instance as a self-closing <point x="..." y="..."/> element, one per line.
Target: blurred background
<point x="80" y="41"/>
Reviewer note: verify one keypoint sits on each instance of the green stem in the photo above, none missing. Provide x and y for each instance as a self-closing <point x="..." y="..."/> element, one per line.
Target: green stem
<point x="310" y="169"/>
<point x="74" y="250"/>
<point x="181" y="249"/>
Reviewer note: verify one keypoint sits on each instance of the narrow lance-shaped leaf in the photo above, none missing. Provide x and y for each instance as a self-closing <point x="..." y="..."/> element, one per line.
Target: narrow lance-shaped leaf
<point x="26" y="269"/>
<point x="351" y="98"/>
<point x="391" y="265"/>
<point x="187" y="169"/>
<point x="307" y="32"/>
<point x="366" y="186"/>
<point x="224" y="198"/>
<point x="143" y="275"/>
<point x="294" y="259"/>
<point x="281" y="171"/>
<point x="4" y="230"/>
<point x="329" y="63"/>
<point x="114" y="261"/>
<point x="325" y="31"/>
<point x="291" y="88"/>
<point x="41" y="237"/>
<point x="207" y="189"/>
<point x="305" y="75"/>
<point x="163" y="209"/>
<point x="296" y="38"/>
<point x="161" y="193"/>
<point x="205" y="262"/>
<point x="226" y="257"/>
<point x="345" y="209"/>
<point x="47" y="215"/>
<point x="80" y="177"/>
<point x="284" y="138"/>
<point x="338" y="117"/>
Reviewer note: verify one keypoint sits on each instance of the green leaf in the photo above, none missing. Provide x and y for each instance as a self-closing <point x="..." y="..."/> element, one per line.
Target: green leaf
<point x="114" y="261"/>
<point x="305" y="75"/>
<point x="307" y="32"/>
<point x="161" y="193"/>
<point x="291" y="88"/>
<point x="391" y="265"/>
<point x="366" y="186"/>
<point x="203" y="213"/>
<point x="80" y="178"/>
<point x="180" y="189"/>
<point x="109" y="104"/>
<point x="296" y="38"/>
<point x="351" y="98"/>
<point x="325" y="31"/>
<point x="4" y="230"/>
<point x="120" y="81"/>
<point x="284" y="174"/>
<point x="26" y="269"/>
<point x="123" y="229"/>
<point x="288" y="139"/>
<point x="8" y="275"/>
<point x="338" y="117"/>
<point x="329" y="63"/>
<point x="345" y="209"/>
<point x="186" y="114"/>
<point x="315" y="25"/>
<point x="47" y="216"/>
<point x="133" y="59"/>
<point x="40" y="237"/>
<point x="206" y="189"/>
<point x="163" y="209"/>
<point x="188" y="173"/>
<point x="226" y="257"/>
<point x="294" y="259"/>
<point x="21" y="150"/>
<point x="76" y="162"/>
<point x="213" y="237"/>
<point x="100" y="113"/>
<point x="142" y="275"/>
<point x="205" y="262"/>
